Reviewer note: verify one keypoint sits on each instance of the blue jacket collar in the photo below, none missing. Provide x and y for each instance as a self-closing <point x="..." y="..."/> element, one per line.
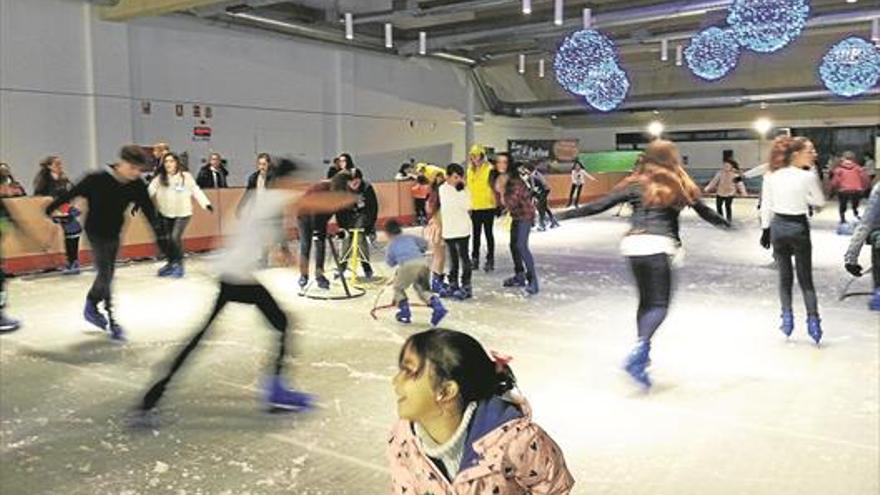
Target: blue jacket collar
<point x="488" y="417"/>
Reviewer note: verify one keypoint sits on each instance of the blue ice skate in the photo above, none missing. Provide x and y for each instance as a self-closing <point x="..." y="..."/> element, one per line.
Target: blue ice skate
<point x="814" y="328"/>
<point x="787" y="325"/>
<point x="637" y="362"/>
<point x="279" y="397"/>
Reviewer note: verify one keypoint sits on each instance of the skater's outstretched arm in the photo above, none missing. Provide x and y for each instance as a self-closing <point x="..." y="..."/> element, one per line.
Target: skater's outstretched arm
<point x="606" y="202"/>
<point x="81" y="188"/>
<point x="870" y="220"/>
<point x="709" y="215"/>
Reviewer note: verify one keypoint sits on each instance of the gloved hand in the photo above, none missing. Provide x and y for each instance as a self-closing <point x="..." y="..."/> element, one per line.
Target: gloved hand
<point x="737" y="179"/>
<point x="765" y="239"/>
<point x="854" y="268"/>
<point x="210" y="208"/>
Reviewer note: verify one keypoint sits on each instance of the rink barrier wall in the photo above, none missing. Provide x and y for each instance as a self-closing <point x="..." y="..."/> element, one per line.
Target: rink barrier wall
<point x="206" y="230"/>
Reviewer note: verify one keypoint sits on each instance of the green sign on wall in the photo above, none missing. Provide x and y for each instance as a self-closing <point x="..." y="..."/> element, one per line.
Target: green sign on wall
<point x="609" y="161"/>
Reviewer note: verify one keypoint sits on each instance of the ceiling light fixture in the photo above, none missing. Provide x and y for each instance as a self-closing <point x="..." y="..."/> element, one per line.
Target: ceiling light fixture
<point x="522" y="64"/>
<point x="423" y="43"/>
<point x="558" y="13"/>
<point x="526" y="6"/>
<point x="664" y="49"/>
<point x="349" y="26"/>
<point x="541" y="68"/>
<point x="389" y="39"/>
<point x="588" y="18"/>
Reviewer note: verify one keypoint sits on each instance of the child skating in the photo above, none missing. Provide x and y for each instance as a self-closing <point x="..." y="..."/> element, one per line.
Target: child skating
<point x="407" y="253"/>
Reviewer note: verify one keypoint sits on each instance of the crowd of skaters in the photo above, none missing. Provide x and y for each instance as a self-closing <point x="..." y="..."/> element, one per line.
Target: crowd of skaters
<point x="453" y="396"/>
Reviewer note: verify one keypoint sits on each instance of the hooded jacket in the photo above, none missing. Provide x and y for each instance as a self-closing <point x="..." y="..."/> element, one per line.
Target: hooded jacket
<point x="505" y="453"/>
<point x="480" y="187"/>
<point x="850" y="177"/>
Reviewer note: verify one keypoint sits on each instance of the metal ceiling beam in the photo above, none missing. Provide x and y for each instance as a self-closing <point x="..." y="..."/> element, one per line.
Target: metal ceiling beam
<point x="329" y="35"/>
<point x="684" y="101"/>
<point x="126" y="10"/>
<point x="623" y="17"/>
<point x="392" y="15"/>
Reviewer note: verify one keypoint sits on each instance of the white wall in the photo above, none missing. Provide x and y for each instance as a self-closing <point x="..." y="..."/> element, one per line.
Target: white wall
<point x="73" y="85"/>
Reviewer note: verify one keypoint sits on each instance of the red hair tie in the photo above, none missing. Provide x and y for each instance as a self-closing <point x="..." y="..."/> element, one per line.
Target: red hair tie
<point x="501" y="361"/>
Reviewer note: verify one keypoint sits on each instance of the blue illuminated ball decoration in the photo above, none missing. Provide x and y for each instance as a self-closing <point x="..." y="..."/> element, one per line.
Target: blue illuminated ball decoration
<point x="851" y="67"/>
<point x="578" y="54"/>
<point x="712" y="53"/>
<point x="766" y="26"/>
<point x="607" y="88"/>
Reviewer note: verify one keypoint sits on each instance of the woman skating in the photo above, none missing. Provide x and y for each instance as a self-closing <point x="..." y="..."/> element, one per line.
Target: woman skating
<point x="173" y="189"/>
<point x="52" y="181"/>
<point x="657" y="191"/>
<point x="790" y="189"/>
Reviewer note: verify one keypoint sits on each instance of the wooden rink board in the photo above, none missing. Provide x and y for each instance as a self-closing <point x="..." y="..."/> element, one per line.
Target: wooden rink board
<point x="205" y="230"/>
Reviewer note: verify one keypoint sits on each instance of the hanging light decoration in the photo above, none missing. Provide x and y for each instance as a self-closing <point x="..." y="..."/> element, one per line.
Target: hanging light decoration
<point x="558" y="13"/>
<point x="389" y="35"/>
<point x="851" y="67"/>
<point x="712" y="53"/>
<point x="664" y="50"/>
<point x="766" y="26"/>
<point x="541" y="68"/>
<point x="578" y="54"/>
<point x="521" y="67"/>
<point x="607" y="88"/>
<point x="679" y="55"/>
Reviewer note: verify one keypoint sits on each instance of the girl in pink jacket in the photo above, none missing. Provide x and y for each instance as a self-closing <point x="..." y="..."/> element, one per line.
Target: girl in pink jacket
<point x="461" y="430"/>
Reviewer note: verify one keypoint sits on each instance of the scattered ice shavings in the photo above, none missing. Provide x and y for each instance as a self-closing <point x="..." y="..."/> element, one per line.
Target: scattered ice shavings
<point x="160" y="467"/>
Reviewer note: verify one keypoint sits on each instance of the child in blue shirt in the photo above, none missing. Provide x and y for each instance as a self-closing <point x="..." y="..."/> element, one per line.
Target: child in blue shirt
<point x="407" y="253"/>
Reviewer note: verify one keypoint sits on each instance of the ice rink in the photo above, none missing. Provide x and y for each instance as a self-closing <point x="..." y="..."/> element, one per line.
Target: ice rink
<point x="736" y="408"/>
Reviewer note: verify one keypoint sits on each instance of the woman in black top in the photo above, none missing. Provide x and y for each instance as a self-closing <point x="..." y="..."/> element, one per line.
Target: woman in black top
<point x="657" y="191"/>
<point x="52" y="181"/>
<point x="340" y="163"/>
<point x="109" y="194"/>
<point x="361" y="215"/>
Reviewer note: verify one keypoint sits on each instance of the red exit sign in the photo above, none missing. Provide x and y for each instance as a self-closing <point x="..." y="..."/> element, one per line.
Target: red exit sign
<point x="201" y="133"/>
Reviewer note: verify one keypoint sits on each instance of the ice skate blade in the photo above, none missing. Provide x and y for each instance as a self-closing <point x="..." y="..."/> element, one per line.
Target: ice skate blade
<point x="287" y="408"/>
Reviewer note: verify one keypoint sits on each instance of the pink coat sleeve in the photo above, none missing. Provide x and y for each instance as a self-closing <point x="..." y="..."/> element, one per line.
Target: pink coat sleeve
<point x="541" y="466"/>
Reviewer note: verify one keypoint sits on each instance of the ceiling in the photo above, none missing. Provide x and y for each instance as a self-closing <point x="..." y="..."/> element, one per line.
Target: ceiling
<point x="489" y="35"/>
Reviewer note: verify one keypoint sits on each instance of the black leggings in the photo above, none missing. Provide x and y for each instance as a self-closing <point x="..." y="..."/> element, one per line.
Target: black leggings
<point x="575" y="194"/>
<point x="483" y="221"/>
<point x="790" y="235"/>
<point x="544" y="210"/>
<point x="458" y="257"/>
<point x="104" y="259"/>
<point x="653" y="275"/>
<point x="421" y="213"/>
<point x="847" y="198"/>
<point x="313" y="230"/>
<point x="71" y="249"/>
<point x="724" y="206"/>
<point x="171" y="237"/>
<point x="254" y="294"/>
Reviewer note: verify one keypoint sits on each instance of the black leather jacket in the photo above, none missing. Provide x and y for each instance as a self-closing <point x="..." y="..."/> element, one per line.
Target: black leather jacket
<point x="646" y="219"/>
